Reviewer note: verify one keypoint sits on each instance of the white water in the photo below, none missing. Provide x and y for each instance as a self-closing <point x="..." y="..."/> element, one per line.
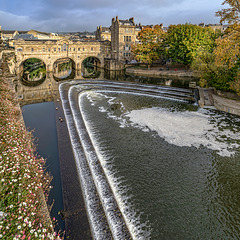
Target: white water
<point x="129" y="215"/>
<point x="87" y="185"/>
<point x="187" y="128"/>
<point x="178" y="128"/>
<point x="200" y="128"/>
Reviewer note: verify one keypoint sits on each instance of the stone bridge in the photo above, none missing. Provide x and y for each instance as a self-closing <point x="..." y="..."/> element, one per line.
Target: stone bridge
<point x="51" y="51"/>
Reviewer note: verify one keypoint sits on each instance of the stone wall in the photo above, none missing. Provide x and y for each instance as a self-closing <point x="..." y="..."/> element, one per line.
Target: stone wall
<point x="209" y="97"/>
<point x="227" y="105"/>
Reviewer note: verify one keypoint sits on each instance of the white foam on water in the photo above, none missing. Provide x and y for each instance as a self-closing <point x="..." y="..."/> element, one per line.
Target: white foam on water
<point x="130" y="216"/>
<point x="180" y="128"/>
<point x="187" y="128"/>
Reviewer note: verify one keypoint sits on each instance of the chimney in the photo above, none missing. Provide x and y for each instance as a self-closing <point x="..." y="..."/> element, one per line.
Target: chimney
<point x="132" y="20"/>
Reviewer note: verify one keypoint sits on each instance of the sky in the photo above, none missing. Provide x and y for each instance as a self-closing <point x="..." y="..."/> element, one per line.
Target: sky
<point x="86" y="15"/>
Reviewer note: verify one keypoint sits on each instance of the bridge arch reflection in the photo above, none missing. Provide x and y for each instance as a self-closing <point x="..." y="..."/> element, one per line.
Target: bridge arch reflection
<point x="91" y="67"/>
<point x="64" y="69"/>
<point x="33" y="72"/>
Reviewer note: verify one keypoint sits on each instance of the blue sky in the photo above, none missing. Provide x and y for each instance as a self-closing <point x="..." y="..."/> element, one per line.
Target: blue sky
<point x="79" y="15"/>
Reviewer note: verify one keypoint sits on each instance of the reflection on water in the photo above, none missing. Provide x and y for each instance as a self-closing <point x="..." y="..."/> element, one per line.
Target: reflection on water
<point x="40" y="118"/>
<point x="168" y="188"/>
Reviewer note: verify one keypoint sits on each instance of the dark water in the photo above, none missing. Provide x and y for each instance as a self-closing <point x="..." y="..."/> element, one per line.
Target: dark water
<point x="167" y="186"/>
<point x="168" y="191"/>
<point x="40" y="118"/>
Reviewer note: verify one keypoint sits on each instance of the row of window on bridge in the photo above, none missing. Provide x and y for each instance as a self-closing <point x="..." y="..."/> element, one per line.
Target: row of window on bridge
<point x="63" y="48"/>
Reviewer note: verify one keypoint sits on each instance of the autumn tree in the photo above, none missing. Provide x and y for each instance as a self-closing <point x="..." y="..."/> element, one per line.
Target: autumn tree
<point x="211" y="74"/>
<point x="230" y="14"/>
<point x="228" y="46"/>
<point x="220" y="68"/>
<point x="149" y="47"/>
<point x="184" y="40"/>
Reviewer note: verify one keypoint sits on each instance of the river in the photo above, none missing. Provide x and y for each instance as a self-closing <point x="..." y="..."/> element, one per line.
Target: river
<point x="172" y="168"/>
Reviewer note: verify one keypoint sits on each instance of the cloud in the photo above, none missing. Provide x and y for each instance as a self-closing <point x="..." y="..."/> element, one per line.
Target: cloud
<point x="79" y="15"/>
<point x="12" y="22"/>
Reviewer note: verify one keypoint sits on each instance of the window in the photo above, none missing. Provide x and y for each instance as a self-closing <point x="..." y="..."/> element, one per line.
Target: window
<point x="54" y="49"/>
<point x="32" y="49"/>
<point x="91" y="49"/>
<point x="59" y="49"/>
<point x="83" y="49"/>
<point x="43" y="49"/>
<point x="127" y="38"/>
<point x="64" y="47"/>
<point x="74" y="49"/>
<point x="78" y="49"/>
<point x="49" y="49"/>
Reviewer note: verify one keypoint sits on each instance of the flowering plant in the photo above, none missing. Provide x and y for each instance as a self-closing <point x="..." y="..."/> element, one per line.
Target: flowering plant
<point x="24" y="183"/>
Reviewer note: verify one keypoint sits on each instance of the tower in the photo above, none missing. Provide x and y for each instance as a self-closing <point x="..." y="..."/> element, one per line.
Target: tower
<point x="123" y="35"/>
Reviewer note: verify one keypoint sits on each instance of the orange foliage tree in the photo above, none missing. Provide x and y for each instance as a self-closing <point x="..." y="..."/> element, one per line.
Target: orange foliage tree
<point x="149" y="47"/>
<point x="228" y="46"/>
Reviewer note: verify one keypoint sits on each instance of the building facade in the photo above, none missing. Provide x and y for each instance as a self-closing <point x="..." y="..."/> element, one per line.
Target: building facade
<point x="123" y="34"/>
<point x="103" y="33"/>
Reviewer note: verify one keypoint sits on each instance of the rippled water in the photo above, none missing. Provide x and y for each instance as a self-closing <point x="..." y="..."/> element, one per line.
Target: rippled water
<point x="174" y="168"/>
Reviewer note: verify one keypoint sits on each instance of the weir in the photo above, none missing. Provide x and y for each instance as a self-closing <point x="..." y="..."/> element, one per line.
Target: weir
<point x="99" y="195"/>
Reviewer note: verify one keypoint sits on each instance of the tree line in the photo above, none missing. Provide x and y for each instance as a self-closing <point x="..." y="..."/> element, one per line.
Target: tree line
<point x="212" y="54"/>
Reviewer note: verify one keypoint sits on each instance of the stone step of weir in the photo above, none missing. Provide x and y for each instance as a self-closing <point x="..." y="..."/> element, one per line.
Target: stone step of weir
<point x="85" y="176"/>
<point x="114" y="212"/>
<point x="168" y="92"/>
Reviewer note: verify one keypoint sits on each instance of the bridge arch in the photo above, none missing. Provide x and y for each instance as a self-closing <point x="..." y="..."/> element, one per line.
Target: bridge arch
<point x="64" y="68"/>
<point x="90" y="66"/>
<point x="32" y="71"/>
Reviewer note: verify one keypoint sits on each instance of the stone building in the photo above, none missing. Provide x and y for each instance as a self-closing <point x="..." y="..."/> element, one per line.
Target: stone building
<point x="103" y="33"/>
<point x="44" y="35"/>
<point x="8" y="34"/>
<point x="123" y="34"/>
<point x="215" y="27"/>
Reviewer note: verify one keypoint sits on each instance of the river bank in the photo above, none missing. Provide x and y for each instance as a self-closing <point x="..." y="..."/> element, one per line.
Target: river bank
<point x="162" y="71"/>
<point x="24" y="183"/>
<point x="226" y="102"/>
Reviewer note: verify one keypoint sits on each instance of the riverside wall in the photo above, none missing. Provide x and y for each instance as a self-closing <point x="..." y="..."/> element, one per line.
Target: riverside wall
<point x="161" y="72"/>
<point x="225" y="102"/>
<point x="211" y="97"/>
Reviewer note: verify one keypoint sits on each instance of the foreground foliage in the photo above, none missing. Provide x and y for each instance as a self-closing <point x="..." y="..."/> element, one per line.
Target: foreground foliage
<point x="24" y="185"/>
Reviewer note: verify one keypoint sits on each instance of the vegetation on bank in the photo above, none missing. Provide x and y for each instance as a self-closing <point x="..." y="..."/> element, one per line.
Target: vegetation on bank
<point x="35" y="68"/>
<point x="24" y="184"/>
<point x="213" y="55"/>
